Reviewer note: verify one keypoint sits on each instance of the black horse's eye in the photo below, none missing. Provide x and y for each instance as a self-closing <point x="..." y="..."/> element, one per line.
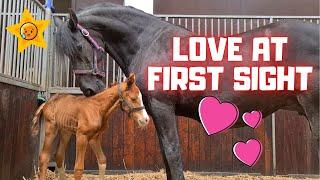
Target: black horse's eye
<point x="79" y="47"/>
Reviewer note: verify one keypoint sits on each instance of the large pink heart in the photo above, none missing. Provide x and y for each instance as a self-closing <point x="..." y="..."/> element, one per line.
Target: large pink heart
<point x="216" y="116"/>
<point x="252" y="119"/>
<point x="249" y="152"/>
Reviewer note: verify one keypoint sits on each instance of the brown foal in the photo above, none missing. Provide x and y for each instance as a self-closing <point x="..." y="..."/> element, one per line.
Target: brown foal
<point x="87" y="118"/>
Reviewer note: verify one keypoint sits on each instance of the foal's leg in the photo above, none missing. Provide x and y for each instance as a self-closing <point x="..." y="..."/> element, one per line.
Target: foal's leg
<point x="64" y="140"/>
<point x="82" y="141"/>
<point x="95" y="144"/>
<point x="50" y="134"/>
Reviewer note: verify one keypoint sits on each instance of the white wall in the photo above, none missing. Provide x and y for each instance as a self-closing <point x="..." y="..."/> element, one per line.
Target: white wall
<point x="144" y="5"/>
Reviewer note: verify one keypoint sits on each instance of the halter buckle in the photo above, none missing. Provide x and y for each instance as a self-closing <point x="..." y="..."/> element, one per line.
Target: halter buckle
<point x="85" y="32"/>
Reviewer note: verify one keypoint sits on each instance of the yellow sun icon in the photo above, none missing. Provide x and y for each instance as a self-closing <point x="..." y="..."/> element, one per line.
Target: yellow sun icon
<point x="29" y="31"/>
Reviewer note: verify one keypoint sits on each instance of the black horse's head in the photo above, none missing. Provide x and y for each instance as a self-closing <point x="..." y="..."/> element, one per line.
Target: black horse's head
<point x="71" y="42"/>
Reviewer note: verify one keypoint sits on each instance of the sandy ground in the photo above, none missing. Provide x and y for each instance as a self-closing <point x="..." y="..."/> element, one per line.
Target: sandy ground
<point x="188" y="175"/>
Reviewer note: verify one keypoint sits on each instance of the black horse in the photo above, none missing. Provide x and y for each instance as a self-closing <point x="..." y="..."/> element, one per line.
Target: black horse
<point x="135" y="40"/>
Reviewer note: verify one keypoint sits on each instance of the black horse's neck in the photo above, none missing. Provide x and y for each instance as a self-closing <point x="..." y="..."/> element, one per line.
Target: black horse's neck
<point x="123" y="30"/>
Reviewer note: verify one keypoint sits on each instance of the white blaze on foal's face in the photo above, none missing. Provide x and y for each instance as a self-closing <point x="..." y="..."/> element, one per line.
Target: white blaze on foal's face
<point x="144" y="112"/>
<point x="134" y="104"/>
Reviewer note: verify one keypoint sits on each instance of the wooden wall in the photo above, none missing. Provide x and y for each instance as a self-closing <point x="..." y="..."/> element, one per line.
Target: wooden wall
<point x="296" y="151"/>
<point x="18" y="151"/>
<point x="125" y="144"/>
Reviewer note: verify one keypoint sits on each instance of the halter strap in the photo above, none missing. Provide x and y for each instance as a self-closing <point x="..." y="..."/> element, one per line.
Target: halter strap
<point x="96" y="47"/>
<point x="87" y="35"/>
<point x="124" y="102"/>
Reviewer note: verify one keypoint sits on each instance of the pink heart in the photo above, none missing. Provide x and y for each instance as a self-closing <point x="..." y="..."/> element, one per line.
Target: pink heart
<point x="216" y="116"/>
<point x="249" y="152"/>
<point x="252" y="119"/>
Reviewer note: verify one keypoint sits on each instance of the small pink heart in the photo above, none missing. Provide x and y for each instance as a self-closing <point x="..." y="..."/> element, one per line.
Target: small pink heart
<point x="216" y="116"/>
<point x="252" y="119"/>
<point x="249" y="152"/>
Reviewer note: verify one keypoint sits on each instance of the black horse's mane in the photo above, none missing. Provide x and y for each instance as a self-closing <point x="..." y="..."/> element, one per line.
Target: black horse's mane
<point x="64" y="37"/>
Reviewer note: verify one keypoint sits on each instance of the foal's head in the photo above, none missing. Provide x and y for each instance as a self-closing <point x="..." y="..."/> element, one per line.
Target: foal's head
<point x="131" y="101"/>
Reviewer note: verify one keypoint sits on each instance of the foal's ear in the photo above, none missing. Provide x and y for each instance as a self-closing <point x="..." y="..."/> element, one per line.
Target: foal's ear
<point x="73" y="21"/>
<point x="131" y="79"/>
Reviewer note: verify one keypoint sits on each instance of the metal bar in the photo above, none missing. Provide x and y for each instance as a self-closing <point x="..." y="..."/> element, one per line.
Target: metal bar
<point x="211" y="27"/>
<point x="219" y="27"/>
<point x="8" y="54"/>
<point x="225" y="27"/>
<point x="274" y="157"/>
<point x="46" y="51"/>
<point x="231" y="26"/>
<point x="244" y="25"/>
<point x="205" y="27"/>
<point x="32" y="49"/>
<point x="3" y="32"/>
<point x="238" y="26"/>
<point x="107" y="71"/>
<point x="192" y="25"/>
<point x="68" y="72"/>
<point x="199" y="26"/>
<point x="13" y="60"/>
<point x="186" y="23"/>
<point x="113" y="70"/>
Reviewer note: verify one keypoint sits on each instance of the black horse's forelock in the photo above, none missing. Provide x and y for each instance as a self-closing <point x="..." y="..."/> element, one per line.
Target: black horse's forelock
<point x="65" y="42"/>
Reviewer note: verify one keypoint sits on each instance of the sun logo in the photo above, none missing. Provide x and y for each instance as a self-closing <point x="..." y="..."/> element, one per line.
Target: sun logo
<point x="29" y="31"/>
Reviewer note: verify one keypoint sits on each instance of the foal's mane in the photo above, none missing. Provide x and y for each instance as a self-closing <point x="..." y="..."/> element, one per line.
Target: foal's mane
<point x="113" y="84"/>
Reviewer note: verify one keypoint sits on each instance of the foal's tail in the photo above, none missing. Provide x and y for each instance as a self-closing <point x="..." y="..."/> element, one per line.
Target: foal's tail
<point x="35" y="121"/>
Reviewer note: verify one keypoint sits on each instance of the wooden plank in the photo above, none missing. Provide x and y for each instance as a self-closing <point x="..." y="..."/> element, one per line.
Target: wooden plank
<point x="280" y="143"/>
<point x="204" y="149"/>
<point x="117" y="141"/>
<point x="139" y="147"/>
<point x="259" y="134"/>
<point x="128" y="143"/>
<point x="268" y="146"/>
<point x="194" y="145"/>
<point x="150" y="146"/>
<point x="183" y="130"/>
<point x="108" y="142"/>
<point x="16" y="144"/>
<point x="226" y="151"/>
<point x="159" y="164"/>
<point x="215" y="152"/>
<point x="7" y="134"/>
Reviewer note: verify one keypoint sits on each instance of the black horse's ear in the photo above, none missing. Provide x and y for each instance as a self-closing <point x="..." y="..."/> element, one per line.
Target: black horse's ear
<point x="131" y="80"/>
<point x="57" y="21"/>
<point x="73" y="21"/>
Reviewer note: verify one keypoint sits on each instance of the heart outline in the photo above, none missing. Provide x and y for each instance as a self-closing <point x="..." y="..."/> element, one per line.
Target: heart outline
<point x="258" y="156"/>
<point x="226" y="102"/>
<point x="247" y="123"/>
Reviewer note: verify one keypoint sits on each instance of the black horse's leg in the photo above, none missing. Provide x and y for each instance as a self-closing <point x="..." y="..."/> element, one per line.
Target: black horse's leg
<point x="165" y="122"/>
<point x="310" y="104"/>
